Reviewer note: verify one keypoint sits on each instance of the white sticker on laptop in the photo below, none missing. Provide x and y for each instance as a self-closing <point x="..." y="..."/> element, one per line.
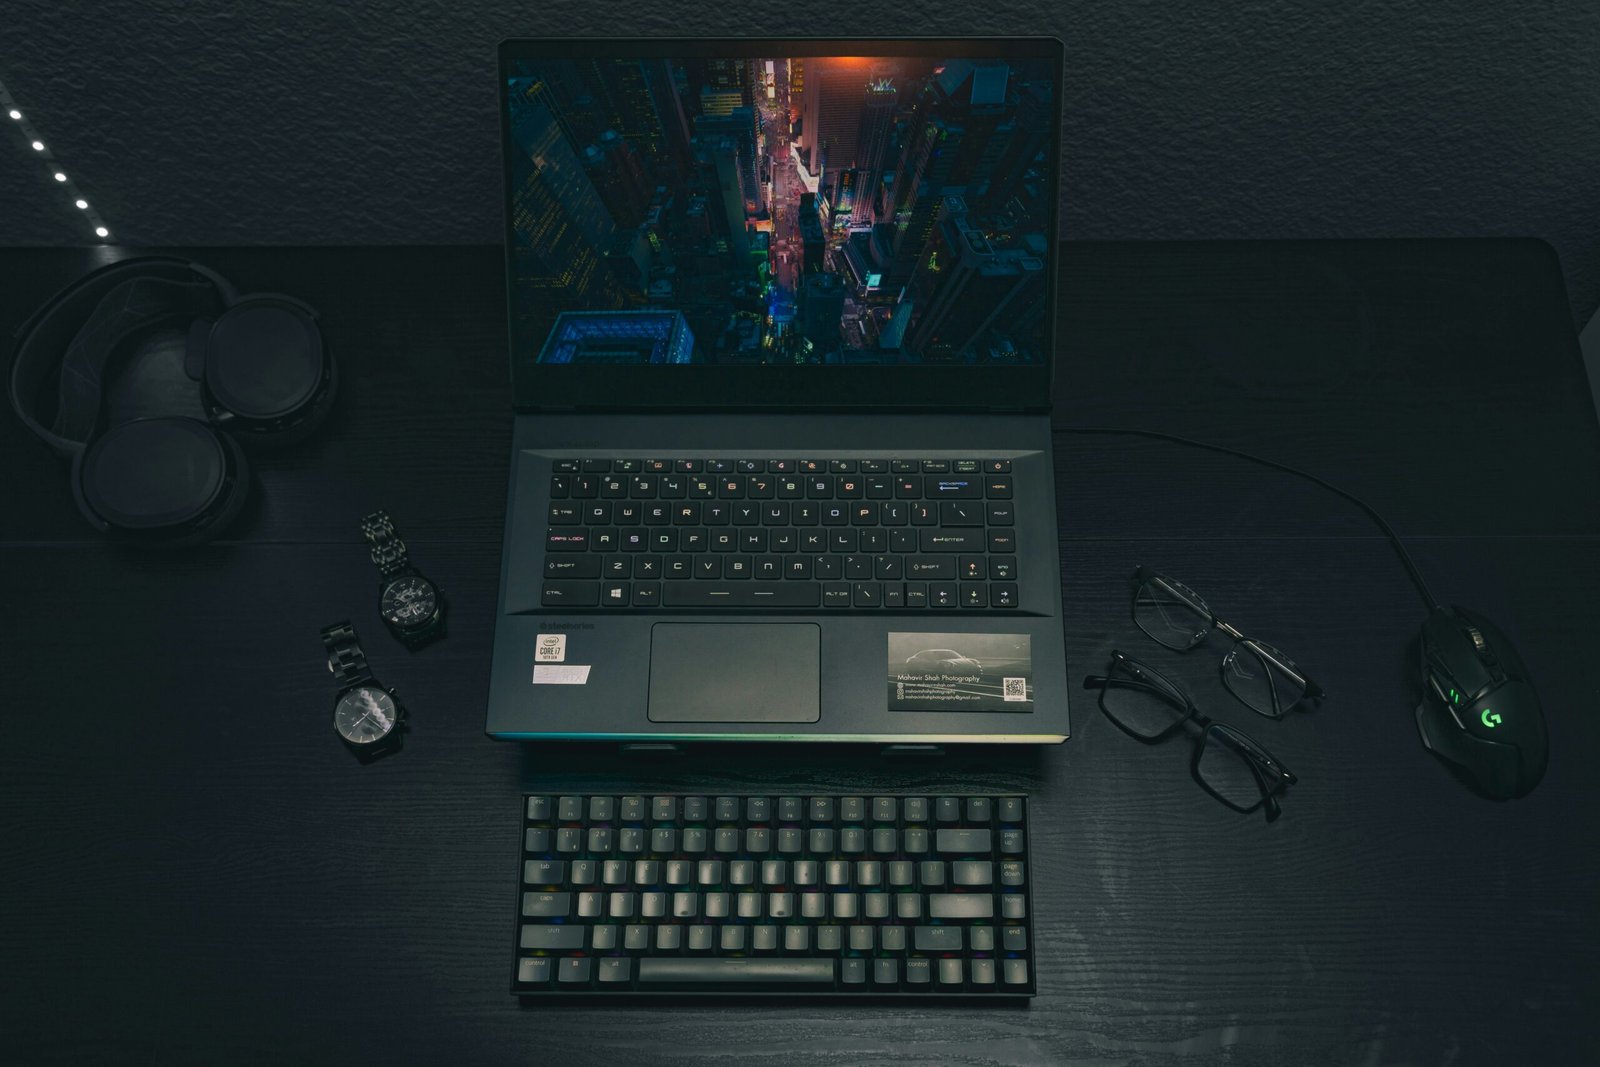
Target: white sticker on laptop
<point x="552" y="648"/>
<point x="560" y="674"/>
<point x="960" y="672"/>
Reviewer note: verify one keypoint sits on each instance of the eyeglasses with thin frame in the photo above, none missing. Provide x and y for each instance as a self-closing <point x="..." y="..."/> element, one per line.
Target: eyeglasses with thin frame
<point x="1228" y="763"/>
<point x="1262" y="678"/>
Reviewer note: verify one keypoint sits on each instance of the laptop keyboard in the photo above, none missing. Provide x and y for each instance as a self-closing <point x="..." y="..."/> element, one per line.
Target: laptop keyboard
<point x="917" y="895"/>
<point x="788" y="534"/>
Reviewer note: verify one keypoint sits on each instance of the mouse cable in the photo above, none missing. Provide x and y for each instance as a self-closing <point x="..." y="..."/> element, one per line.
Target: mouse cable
<point x="1394" y="539"/>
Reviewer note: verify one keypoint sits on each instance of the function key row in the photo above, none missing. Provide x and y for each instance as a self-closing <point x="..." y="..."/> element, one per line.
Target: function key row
<point x="785" y="809"/>
<point x="782" y="466"/>
<point x="780" y="487"/>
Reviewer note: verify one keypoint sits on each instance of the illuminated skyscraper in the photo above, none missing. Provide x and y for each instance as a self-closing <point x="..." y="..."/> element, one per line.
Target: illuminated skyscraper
<point x="958" y="127"/>
<point x="1029" y="133"/>
<point x="834" y="95"/>
<point x="797" y="90"/>
<point x="875" y="139"/>
<point x="721" y="154"/>
<point x="965" y="295"/>
<point x="811" y="238"/>
<point x="615" y="170"/>
<point x="738" y="125"/>
<point x="619" y="337"/>
<point x="559" y="222"/>
<point x="821" y="309"/>
<point x="640" y="100"/>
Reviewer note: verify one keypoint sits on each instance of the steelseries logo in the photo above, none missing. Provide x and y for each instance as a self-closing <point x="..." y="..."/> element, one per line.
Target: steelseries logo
<point x="561" y="624"/>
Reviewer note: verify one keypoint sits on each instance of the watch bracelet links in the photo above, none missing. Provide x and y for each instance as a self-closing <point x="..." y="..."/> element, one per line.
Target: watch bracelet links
<point x="346" y="659"/>
<point x="388" y="550"/>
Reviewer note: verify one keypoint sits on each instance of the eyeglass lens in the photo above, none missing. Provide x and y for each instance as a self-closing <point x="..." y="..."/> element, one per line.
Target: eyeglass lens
<point x="1226" y="769"/>
<point x="1257" y="681"/>
<point x="1171" y="613"/>
<point x="1177" y="617"/>
<point x="1139" y="708"/>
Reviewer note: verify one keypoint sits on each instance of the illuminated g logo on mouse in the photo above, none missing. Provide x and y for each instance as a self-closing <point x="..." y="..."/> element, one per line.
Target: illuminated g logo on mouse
<point x="1490" y="719"/>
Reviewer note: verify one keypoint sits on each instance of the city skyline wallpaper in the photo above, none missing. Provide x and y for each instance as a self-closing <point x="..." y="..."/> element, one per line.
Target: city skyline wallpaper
<point x="845" y="210"/>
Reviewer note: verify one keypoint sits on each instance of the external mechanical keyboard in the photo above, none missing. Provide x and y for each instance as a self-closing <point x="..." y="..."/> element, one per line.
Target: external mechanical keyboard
<point x="852" y="895"/>
<point x="788" y="534"/>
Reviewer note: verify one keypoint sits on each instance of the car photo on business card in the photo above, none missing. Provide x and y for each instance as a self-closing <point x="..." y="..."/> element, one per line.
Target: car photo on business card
<point x="960" y="672"/>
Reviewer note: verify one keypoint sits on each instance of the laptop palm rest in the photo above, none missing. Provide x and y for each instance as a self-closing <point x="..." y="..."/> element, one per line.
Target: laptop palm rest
<point x="735" y="672"/>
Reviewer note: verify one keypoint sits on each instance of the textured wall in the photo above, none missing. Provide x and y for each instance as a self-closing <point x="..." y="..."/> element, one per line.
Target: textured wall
<point x="285" y="123"/>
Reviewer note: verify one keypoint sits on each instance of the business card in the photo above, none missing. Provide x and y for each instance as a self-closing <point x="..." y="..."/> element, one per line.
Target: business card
<point x="960" y="672"/>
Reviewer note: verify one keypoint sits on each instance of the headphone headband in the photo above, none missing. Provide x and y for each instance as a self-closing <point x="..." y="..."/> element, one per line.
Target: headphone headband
<point x="123" y="298"/>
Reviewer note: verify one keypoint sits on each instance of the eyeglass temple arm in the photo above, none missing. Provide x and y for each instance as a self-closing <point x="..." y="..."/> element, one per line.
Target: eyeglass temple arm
<point x="1313" y="690"/>
<point x="1144" y="576"/>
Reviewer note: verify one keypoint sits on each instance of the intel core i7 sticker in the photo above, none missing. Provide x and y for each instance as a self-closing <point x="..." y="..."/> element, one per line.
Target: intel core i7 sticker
<point x="960" y="672"/>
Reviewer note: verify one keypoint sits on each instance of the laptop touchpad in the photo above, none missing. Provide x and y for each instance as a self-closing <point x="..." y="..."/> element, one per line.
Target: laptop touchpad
<point x="735" y="672"/>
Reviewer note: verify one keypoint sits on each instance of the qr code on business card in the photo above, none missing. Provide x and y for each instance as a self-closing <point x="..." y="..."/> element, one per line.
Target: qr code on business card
<point x="1014" y="689"/>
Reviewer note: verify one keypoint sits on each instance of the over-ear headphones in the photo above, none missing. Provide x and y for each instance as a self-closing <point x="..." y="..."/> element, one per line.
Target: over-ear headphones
<point x="264" y="376"/>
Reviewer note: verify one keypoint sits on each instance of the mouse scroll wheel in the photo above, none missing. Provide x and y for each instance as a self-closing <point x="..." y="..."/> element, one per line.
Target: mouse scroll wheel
<point x="1477" y="639"/>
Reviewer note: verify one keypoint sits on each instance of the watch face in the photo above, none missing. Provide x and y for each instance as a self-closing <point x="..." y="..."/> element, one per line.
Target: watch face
<point x="365" y="715"/>
<point x="409" y="601"/>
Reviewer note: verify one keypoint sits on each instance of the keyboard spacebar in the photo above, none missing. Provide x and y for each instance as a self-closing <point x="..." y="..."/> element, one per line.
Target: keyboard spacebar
<point x="736" y="971"/>
<point x="741" y="595"/>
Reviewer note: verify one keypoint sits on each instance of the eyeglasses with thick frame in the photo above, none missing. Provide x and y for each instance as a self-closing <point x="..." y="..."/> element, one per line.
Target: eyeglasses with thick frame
<point x="1284" y="691"/>
<point x="1271" y="777"/>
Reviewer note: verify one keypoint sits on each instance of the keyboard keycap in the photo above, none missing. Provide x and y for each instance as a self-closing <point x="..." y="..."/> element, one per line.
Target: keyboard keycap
<point x="741" y="595"/>
<point x="659" y="970"/>
<point x="972" y="872"/>
<point x="952" y="541"/>
<point x="571" y="594"/>
<point x="551" y="937"/>
<point x="961" y="906"/>
<point x="533" y="970"/>
<point x="572" y="567"/>
<point x="927" y="568"/>
<point x="546" y="905"/>
<point x="937" y="939"/>
<point x="952" y="488"/>
<point x="965" y="842"/>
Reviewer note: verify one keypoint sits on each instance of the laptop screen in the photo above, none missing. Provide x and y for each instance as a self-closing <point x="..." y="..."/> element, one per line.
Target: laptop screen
<point x="891" y="206"/>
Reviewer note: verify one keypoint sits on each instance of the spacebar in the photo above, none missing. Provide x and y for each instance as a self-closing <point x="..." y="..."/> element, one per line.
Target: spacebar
<point x="736" y="971"/>
<point x="741" y="595"/>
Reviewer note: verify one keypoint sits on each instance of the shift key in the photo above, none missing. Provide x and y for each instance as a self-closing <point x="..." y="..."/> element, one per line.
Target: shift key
<point x="553" y="936"/>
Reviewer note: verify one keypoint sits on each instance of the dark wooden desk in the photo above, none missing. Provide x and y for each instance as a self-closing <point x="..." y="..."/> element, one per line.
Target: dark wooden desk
<point x="195" y="872"/>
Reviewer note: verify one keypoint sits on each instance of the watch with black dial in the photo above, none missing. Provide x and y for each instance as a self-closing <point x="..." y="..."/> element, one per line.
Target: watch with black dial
<point x="409" y="603"/>
<point x="368" y="718"/>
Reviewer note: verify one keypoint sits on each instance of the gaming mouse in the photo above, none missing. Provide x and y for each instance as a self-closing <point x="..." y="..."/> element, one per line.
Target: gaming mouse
<point x="1479" y="712"/>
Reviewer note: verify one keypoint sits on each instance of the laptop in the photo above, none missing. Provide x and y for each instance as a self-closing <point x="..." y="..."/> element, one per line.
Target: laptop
<point x="782" y="331"/>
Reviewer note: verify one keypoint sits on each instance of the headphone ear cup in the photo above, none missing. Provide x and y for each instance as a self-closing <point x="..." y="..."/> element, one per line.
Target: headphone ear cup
<point x="266" y="372"/>
<point x="172" y="481"/>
